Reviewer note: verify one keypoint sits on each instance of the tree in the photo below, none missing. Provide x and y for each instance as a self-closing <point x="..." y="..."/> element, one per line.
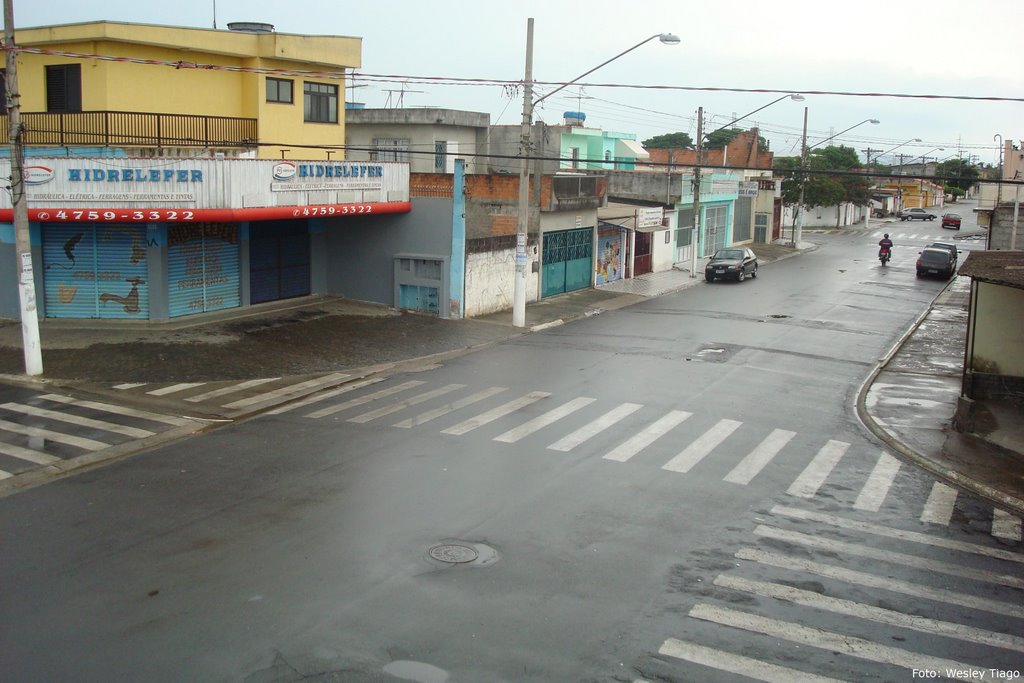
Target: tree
<point x="669" y="141"/>
<point x="819" y="189"/>
<point x="957" y="176"/>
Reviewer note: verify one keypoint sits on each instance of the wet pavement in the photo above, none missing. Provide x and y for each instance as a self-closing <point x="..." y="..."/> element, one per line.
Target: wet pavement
<point x="320" y="343"/>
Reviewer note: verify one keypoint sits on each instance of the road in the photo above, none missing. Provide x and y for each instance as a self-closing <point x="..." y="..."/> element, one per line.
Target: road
<point x="678" y="490"/>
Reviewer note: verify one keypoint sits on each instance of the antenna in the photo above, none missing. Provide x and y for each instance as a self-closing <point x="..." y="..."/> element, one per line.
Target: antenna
<point x="401" y="97"/>
<point x="214" y="14"/>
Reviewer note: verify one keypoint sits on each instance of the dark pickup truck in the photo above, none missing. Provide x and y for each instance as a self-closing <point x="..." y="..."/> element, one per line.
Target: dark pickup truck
<point x="911" y="214"/>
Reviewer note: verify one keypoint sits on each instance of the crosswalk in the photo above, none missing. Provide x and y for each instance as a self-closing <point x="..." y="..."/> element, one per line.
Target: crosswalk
<point x="49" y="429"/>
<point x="622" y="432"/>
<point x="938" y="607"/>
<point x="53" y="427"/>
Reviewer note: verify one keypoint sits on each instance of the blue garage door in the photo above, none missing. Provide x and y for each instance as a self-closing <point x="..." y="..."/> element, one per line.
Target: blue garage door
<point x="278" y="260"/>
<point x="568" y="261"/>
<point x="202" y="268"/>
<point x="95" y="271"/>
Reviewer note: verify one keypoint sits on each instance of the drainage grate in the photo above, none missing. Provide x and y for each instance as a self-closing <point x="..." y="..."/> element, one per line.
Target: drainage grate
<point x="453" y="554"/>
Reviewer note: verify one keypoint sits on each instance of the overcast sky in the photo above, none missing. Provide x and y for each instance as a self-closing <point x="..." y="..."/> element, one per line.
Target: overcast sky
<point x="921" y="47"/>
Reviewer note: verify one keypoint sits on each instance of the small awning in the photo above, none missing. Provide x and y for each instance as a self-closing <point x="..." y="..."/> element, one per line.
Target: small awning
<point x="630" y="148"/>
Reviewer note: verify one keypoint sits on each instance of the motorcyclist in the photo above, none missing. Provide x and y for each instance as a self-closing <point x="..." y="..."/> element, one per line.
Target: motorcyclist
<point x="884" y="244"/>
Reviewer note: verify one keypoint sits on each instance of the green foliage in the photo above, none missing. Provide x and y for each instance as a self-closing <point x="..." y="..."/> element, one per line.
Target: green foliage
<point x="824" y="189"/>
<point x="957" y="176"/>
<point x="669" y="141"/>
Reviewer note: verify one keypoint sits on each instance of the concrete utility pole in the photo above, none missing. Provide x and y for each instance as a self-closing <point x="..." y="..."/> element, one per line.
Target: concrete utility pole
<point x="798" y="233"/>
<point x="899" y="179"/>
<point x="694" y="241"/>
<point x="867" y="164"/>
<point x="522" y="225"/>
<point x="23" y="247"/>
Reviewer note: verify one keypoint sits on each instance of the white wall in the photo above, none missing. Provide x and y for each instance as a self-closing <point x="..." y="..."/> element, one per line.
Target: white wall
<point x="490" y="284"/>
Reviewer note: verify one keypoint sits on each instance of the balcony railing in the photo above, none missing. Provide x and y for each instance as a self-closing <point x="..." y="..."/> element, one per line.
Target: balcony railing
<point x="132" y="129"/>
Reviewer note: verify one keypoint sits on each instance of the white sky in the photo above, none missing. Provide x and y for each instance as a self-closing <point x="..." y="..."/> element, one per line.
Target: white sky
<point x="931" y="47"/>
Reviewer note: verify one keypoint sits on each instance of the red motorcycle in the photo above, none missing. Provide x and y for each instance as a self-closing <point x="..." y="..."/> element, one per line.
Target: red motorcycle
<point x="884" y="254"/>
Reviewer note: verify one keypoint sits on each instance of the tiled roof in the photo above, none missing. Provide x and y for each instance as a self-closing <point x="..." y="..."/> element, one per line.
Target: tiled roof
<point x="999" y="267"/>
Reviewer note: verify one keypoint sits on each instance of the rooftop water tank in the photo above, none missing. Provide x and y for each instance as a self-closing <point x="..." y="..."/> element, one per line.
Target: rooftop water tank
<point x="574" y="118"/>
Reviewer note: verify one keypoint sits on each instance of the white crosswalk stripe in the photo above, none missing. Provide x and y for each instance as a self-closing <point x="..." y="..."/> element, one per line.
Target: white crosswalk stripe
<point x="750" y="466"/>
<point x="878" y="483"/>
<point x="647" y="436"/>
<point x="591" y="430"/>
<point x="939" y="507"/>
<point x="738" y="664"/>
<point x="59" y="437"/>
<point x="118" y="410"/>
<point x="700" y="448"/>
<point x="27" y="454"/>
<point x="548" y="418"/>
<point x="402" y="405"/>
<point x="234" y="388"/>
<point x="881" y="615"/>
<point x="323" y="396"/>
<point x="363" y="400"/>
<point x="423" y="418"/>
<point x="133" y="432"/>
<point x="1005" y="525"/>
<point x="814" y="475"/>
<point x="497" y="413"/>
<point x="836" y="642"/>
<point x="175" y="388"/>
<point x="284" y="392"/>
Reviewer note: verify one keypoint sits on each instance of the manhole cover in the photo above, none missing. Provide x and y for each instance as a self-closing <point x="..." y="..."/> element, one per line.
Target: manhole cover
<point x="453" y="554"/>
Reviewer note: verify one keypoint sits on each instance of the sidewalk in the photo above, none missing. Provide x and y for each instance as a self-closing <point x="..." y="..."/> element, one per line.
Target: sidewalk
<point x="324" y="341"/>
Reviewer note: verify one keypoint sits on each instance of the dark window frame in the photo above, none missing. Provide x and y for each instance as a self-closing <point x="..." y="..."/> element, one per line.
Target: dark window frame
<point x="320" y="102"/>
<point x="63" y="88"/>
<point x="273" y="90"/>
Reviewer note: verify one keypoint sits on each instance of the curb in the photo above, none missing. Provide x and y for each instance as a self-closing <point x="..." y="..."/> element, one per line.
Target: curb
<point x="949" y="475"/>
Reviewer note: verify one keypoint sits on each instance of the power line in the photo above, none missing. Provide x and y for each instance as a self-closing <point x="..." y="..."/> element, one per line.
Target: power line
<point x="453" y="80"/>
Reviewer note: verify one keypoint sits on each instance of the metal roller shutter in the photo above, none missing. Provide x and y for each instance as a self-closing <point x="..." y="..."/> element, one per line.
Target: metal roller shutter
<point x="202" y="268"/>
<point x="95" y="271"/>
<point x="278" y="260"/>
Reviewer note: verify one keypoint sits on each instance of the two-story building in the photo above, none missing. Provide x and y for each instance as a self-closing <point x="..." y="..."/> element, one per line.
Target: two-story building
<point x="174" y="171"/>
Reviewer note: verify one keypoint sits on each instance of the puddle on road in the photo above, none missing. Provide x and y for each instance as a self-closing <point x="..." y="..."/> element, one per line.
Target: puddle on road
<point x="420" y="672"/>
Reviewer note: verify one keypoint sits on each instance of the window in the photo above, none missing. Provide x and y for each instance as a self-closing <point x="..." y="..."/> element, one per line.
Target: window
<point x="575" y="157"/>
<point x="279" y="90"/>
<point x="390" y="149"/>
<point x="321" y="102"/>
<point x="440" y="156"/>
<point x="64" y="87"/>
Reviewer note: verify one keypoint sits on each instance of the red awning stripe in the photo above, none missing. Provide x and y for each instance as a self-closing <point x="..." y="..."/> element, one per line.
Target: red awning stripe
<point x="186" y="215"/>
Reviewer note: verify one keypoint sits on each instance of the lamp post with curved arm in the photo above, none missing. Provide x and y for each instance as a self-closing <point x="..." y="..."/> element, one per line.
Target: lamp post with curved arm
<point x="798" y="233"/>
<point x="519" y="285"/>
<point x="701" y="136"/>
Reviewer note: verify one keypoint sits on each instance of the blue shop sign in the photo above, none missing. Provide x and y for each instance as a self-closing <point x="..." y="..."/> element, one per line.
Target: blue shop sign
<point x="140" y="175"/>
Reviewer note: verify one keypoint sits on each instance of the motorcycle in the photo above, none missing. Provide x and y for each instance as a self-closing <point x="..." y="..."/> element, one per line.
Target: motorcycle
<point x="884" y="254"/>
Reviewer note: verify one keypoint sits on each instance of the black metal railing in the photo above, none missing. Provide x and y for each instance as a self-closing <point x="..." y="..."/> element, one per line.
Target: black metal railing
<point x="134" y="129"/>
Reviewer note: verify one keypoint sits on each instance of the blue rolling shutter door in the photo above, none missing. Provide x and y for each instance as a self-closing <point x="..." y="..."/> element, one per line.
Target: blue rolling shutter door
<point x="202" y="268"/>
<point x="95" y="271"/>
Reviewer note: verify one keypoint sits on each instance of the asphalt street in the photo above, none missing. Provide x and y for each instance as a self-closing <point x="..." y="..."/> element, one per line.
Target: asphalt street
<point x="679" y="490"/>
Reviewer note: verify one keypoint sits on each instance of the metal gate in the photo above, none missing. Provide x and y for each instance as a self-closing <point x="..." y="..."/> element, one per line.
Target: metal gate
<point x="278" y="260"/>
<point x="568" y="261"/>
<point x="643" y="262"/>
<point x="95" y="271"/>
<point x="202" y="268"/>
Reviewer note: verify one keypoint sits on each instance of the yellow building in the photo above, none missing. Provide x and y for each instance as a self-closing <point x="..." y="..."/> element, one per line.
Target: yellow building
<point x="169" y="91"/>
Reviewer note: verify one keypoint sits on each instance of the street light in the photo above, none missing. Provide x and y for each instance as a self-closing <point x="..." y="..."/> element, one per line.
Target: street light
<point x="519" y="289"/>
<point x="796" y="97"/>
<point x="798" y="233"/>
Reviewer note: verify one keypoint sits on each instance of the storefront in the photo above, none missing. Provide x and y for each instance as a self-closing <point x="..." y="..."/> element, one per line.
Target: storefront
<point x="154" y="239"/>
